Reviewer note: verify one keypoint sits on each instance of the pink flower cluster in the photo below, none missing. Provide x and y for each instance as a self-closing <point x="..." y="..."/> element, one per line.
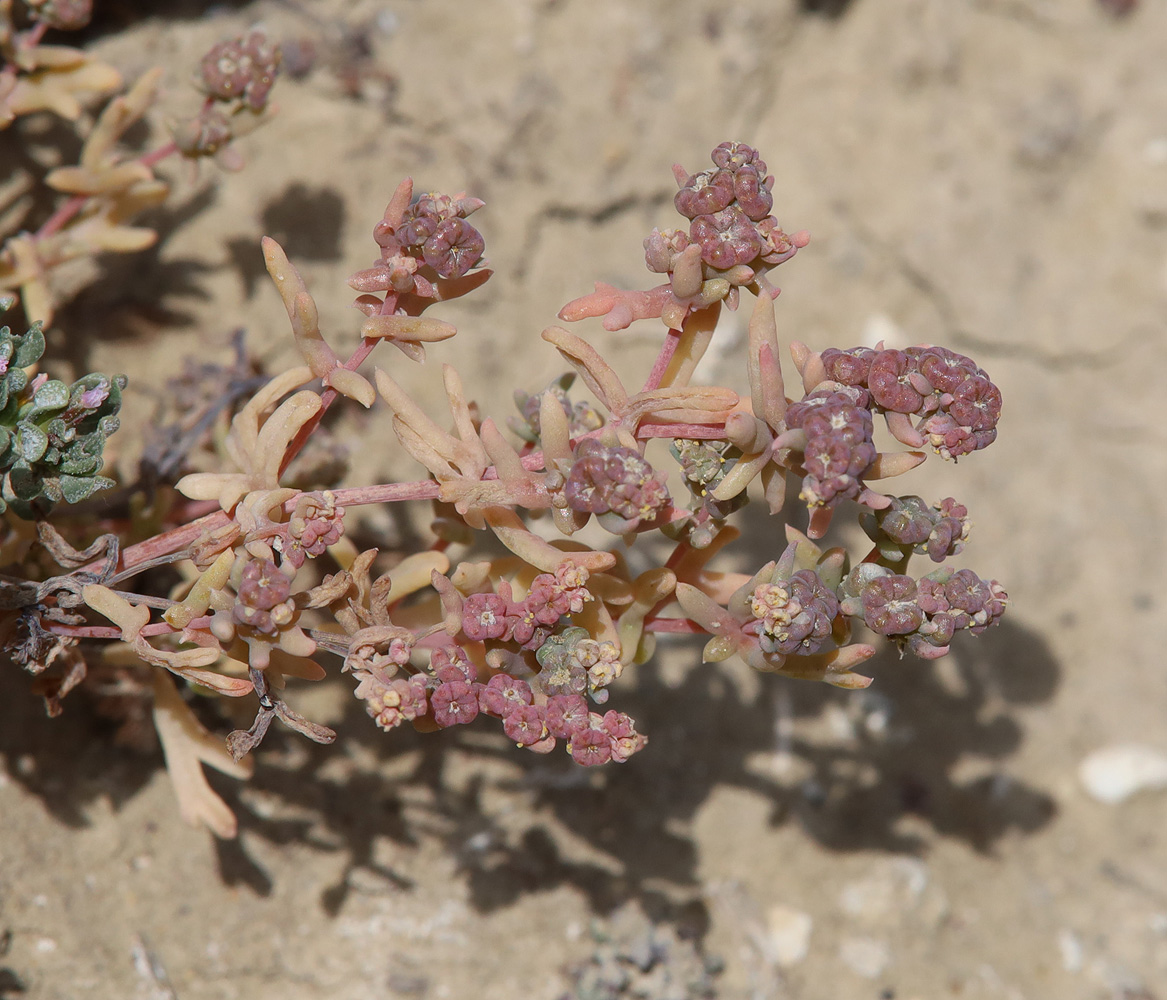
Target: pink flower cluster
<point x="243" y="69"/>
<point x="958" y="405"/>
<point x="432" y="232"/>
<point x="591" y="738"/>
<point x="316" y="523"/>
<point x="496" y="616"/>
<point x="937" y="530"/>
<point x="730" y="211"/>
<point x="793" y="616"/>
<point x="616" y="483"/>
<point x="263" y="602"/>
<point x="451" y="695"/>
<point x="839" y="449"/>
<point x="922" y="615"/>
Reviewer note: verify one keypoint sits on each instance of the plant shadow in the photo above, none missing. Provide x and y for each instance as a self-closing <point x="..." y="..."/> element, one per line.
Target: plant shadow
<point x="891" y="753"/>
<point x="832" y="9"/>
<point x="307" y="222"/>
<point x="917" y="756"/>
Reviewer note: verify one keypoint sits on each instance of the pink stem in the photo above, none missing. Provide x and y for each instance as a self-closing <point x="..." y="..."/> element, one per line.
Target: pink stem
<point x="425" y="489"/>
<point x="704" y="431"/>
<point x="364" y="349"/>
<point x="84" y="631"/>
<point x="664" y="356"/>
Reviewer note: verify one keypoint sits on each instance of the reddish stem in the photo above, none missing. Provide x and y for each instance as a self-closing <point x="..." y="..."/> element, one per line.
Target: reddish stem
<point x="364" y="349"/>
<point x="664" y="356"/>
<point x="709" y="432"/>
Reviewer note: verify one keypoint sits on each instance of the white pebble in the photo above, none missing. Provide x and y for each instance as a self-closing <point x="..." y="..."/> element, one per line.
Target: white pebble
<point x="865" y="956"/>
<point x="1070" y="946"/>
<point x="1115" y="773"/>
<point x="1155" y="151"/>
<point x="892" y="886"/>
<point x="790" y="931"/>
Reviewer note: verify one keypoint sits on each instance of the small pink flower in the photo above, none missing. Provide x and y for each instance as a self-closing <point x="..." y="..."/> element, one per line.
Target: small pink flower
<point x="454" y="703"/>
<point x="591" y="747"/>
<point x="525" y="725"/>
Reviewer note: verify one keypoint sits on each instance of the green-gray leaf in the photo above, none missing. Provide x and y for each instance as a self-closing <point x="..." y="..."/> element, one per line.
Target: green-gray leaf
<point x="53" y="395"/>
<point x="77" y="488"/>
<point x="31" y="442"/>
<point x="30" y="347"/>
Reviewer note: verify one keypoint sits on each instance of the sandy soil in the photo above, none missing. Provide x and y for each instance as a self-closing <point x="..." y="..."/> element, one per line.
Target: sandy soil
<point x="986" y="174"/>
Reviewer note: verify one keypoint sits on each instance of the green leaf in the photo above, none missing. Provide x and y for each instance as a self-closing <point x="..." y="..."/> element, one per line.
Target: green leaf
<point x="31" y="442"/>
<point x="77" y="463"/>
<point x="30" y="347"/>
<point x="60" y="433"/>
<point x="21" y="483"/>
<point x="74" y="489"/>
<point x="53" y="395"/>
<point x="16" y="379"/>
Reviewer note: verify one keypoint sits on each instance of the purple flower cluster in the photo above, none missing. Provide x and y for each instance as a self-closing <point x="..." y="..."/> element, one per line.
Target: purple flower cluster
<point x="263" y="601"/>
<point x="243" y="69"/>
<point x="425" y="242"/>
<point x="616" y="483"/>
<point x="958" y="405"/>
<point x="729" y="208"/>
<point x="496" y="616"/>
<point x="923" y="614"/>
<point x="452" y="696"/>
<point x="839" y="449"/>
<point x="592" y="738"/>
<point x="316" y="523"/>
<point x="434" y="231"/>
<point x="793" y="616"/>
<point x="936" y="530"/>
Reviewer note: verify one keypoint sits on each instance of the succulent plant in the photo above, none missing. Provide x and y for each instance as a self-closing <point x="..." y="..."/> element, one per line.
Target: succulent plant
<point x="51" y="434"/>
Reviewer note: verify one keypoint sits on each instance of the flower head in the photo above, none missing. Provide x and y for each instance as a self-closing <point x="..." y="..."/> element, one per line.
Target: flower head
<point x="614" y="479"/>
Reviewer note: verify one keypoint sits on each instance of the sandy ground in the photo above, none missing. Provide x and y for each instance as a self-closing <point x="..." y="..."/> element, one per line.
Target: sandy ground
<point x="986" y="174"/>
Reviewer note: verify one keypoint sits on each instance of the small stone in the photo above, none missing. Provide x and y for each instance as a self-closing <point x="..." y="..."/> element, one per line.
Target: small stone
<point x="790" y="931"/>
<point x="1070" y="947"/>
<point x="894" y="886"/>
<point x="1155" y="151"/>
<point x="1115" y="773"/>
<point x="865" y="956"/>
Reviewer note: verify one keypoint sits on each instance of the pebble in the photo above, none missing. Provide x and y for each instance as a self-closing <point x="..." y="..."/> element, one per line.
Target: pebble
<point x="1155" y="151"/>
<point x="894" y="886"/>
<point x="1115" y="773"/>
<point x="1070" y="947"/>
<point x="789" y="931"/>
<point x="865" y="956"/>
